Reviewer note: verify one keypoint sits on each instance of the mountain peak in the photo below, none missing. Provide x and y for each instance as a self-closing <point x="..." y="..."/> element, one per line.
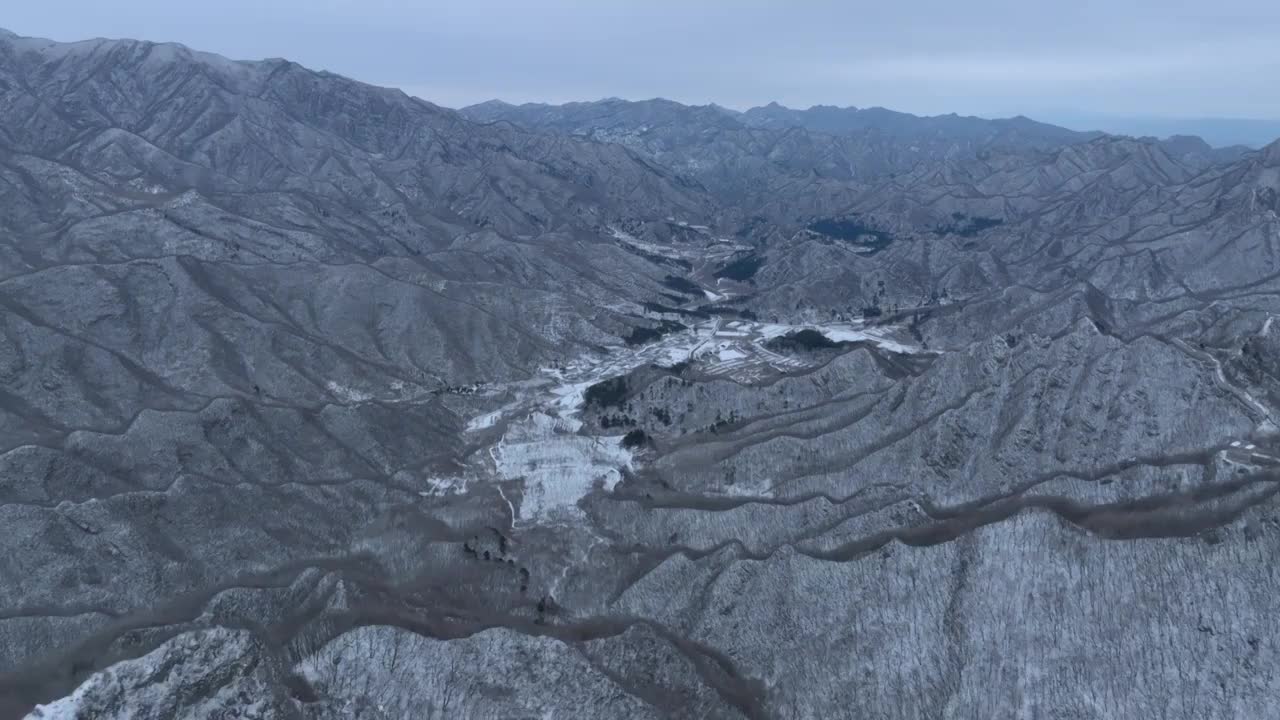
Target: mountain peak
<point x="143" y="50"/>
<point x="725" y="110"/>
<point x="494" y="104"/>
<point x="1271" y="153"/>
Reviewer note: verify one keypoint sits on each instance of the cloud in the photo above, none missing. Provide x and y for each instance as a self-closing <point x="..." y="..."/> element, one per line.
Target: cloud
<point x="981" y="56"/>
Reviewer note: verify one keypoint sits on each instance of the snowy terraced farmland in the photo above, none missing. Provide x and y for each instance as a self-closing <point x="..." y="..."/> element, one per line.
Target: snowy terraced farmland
<point x="558" y="465"/>
<point x="712" y="250"/>
<point x="741" y="357"/>
<point x="737" y="349"/>
<point x="543" y="444"/>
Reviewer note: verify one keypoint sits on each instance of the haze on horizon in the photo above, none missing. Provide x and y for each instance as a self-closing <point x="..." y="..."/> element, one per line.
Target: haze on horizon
<point x="1077" y="64"/>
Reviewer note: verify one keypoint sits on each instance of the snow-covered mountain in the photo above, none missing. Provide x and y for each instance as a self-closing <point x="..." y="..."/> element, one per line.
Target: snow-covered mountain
<point x="323" y="401"/>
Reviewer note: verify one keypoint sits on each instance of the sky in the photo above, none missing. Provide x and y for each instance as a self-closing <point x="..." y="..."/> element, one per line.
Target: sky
<point x="1137" y="58"/>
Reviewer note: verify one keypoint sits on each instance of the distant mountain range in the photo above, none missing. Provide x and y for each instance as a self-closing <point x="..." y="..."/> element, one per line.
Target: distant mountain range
<point x="937" y="135"/>
<point x="1219" y="132"/>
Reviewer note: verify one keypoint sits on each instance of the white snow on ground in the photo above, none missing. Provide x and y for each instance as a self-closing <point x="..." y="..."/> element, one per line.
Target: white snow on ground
<point x="348" y="394"/>
<point x="190" y="197"/>
<point x="543" y="445"/>
<point x="211" y="660"/>
<point x="444" y="486"/>
<point x="699" y="252"/>
<point x="68" y="708"/>
<point x="1220" y="379"/>
<point x="1244" y="454"/>
<point x="569" y="398"/>
<point x="558" y="466"/>
<point x="637" y="243"/>
<point x="880" y="336"/>
<point x="486" y="420"/>
<point x="768" y="331"/>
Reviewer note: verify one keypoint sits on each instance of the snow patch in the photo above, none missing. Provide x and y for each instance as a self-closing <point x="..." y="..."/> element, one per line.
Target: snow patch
<point x="444" y="485"/>
<point x="558" y="466"/>
<point x="489" y="419"/>
<point x="543" y="445"/>
<point x="731" y="354"/>
<point x="876" y="336"/>
<point x="348" y="394"/>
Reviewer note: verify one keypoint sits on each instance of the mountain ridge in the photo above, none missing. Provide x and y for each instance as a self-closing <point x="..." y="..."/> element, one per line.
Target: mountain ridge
<point x="835" y="119"/>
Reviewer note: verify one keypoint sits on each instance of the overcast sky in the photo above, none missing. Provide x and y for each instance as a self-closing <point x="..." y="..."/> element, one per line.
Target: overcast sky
<point x="988" y="57"/>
